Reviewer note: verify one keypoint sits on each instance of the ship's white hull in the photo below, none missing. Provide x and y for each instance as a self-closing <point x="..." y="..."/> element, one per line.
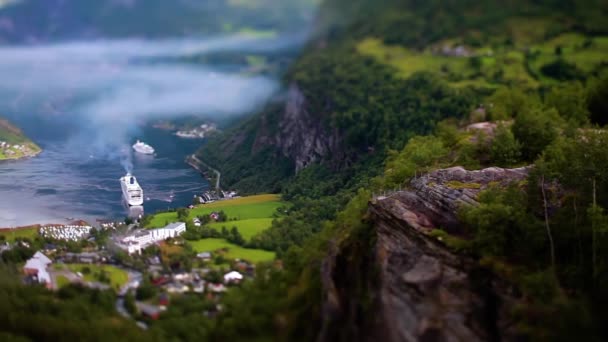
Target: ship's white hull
<point x="133" y="193"/>
<point x="143" y="151"/>
<point x="143" y="148"/>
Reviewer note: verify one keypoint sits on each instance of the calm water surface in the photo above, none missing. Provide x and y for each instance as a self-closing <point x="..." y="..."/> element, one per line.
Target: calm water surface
<point x="67" y="182"/>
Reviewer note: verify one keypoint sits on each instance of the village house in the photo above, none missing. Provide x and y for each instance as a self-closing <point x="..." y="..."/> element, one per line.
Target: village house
<point x="150" y="311"/>
<point x="37" y="268"/>
<point x="177" y="288"/>
<point x="204" y="256"/>
<point x="233" y="277"/>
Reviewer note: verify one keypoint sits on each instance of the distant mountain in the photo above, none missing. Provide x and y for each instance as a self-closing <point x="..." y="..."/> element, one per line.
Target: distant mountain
<point x="32" y="21"/>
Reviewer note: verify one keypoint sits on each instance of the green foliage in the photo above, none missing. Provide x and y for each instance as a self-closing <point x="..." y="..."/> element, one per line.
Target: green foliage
<point x="561" y="70"/>
<point x="418" y="156"/>
<point x="130" y="303"/>
<point x="598" y="101"/>
<point x="72" y="314"/>
<point x="146" y="290"/>
<point x="356" y="84"/>
<point x="536" y="130"/>
<point x="507" y="103"/>
<point x="570" y="100"/>
<point x="502" y="225"/>
<point x="505" y="149"/>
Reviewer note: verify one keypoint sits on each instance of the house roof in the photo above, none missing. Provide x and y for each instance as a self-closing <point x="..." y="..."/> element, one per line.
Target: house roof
<point x="34" y="264"/>
<point x="175" y="225"/>
<point x="43" y="258"/>
<point x="234" y="275"/>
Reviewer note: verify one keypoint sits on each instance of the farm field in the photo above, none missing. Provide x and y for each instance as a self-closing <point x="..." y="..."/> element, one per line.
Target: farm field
<point x="117" y="276"/>
<point x="247" y="228"/>
<point x="12" y="234"/>
<point x="488" y="67"/>
<point x="232" y="251"/>
<point x="244" y="208"/>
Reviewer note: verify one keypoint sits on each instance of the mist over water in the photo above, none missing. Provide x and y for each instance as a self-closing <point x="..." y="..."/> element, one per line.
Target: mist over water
<point x="86" y="103"/>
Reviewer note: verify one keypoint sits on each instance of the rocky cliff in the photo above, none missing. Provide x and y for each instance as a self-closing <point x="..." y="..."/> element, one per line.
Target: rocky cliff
<point x="300" y="136"/>
<point x="417" y="288"/>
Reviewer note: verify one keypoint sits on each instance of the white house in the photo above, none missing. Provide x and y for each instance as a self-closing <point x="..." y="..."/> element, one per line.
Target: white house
<point x="37" y="266"/>
<point x="233" y="277"/>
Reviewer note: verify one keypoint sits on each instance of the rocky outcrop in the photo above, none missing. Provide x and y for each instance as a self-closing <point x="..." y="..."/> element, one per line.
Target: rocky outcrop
<point x="301" y="135"/>
<point x="419" y="289"/>
<point x="434" y="199"/>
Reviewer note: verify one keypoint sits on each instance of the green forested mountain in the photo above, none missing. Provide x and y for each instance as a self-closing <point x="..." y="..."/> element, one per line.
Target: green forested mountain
<point x="359" y="75"/>
<point x="383" y="94"/>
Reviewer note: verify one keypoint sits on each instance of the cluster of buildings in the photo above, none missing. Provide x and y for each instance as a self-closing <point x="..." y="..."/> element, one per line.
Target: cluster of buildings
<point x="13" y="150"/>
<point x="142" y="239"/>
<point x="180" y="283"/>
<point x="208" y="197"/>
<point x="36" y="269"/>
<point x="66" y="233"/>
<point x="198" y="132"/>
<point x="212" y="196"/>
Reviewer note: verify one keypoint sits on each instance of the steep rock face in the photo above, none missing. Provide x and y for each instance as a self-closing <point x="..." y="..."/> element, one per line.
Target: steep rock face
<point x="300" y="135"/>
<point x="419" y="289"/>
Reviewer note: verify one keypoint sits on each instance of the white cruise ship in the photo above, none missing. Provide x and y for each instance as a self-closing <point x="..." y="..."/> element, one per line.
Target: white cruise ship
<point x="143" y="148"/>
<point x="131" y="191"/>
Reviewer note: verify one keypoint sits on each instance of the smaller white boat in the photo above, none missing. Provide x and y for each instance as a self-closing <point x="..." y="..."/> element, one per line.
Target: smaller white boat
<point x="143" y="148"/>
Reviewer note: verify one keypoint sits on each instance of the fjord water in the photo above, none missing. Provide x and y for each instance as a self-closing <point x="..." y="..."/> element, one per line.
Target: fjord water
<point x="65" y="182"/>
<point x="85" y="90"/>
<point x="86" y="103"/>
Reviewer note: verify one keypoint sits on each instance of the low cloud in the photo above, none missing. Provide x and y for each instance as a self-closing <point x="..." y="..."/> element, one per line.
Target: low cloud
<point x="110" y="87"/>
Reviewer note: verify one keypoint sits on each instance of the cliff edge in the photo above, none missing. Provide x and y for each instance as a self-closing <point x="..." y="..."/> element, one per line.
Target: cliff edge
<point x="417" y="288"/>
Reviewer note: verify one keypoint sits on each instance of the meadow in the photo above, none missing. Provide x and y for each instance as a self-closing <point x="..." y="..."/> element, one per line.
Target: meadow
<point x="244" y="208"/>
<point x="231" y="251"/>
<point x="247" y="228"/>
<point x="24" y="233"/>
<point x="117" y="276"/>
<point x="489" y="67"/>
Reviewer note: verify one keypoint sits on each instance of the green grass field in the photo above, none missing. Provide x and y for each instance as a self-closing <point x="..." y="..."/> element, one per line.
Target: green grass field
<point x="247" y="228"/>
<point x="496" y="66"/>
<point x="586" y="53"/>
<point x="118" y="277"/>
<point x="12" y="234"/>
<point x="233" y="251"/>
<point x="245" y="208"/>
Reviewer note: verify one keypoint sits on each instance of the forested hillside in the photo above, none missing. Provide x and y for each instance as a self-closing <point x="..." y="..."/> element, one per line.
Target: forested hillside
<point x="390" y="90"/>
<point x="353" y="90"/>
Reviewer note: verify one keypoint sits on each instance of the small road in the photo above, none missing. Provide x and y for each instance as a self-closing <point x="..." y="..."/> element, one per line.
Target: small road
<point x="135" y="279"/>
<point x="193" y="161"/>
